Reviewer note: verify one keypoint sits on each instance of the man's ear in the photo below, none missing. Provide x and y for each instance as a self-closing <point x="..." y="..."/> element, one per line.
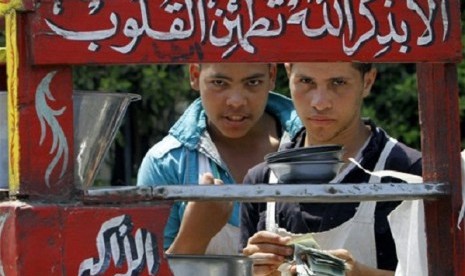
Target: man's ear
<point x="194" y="75"/>
<point x="368" y="81"/>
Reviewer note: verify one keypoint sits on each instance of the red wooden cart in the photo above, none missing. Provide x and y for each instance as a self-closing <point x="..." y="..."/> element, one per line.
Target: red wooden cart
<point x="50" y="226"/>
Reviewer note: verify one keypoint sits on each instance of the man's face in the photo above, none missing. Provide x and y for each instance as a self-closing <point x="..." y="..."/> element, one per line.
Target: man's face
<point x="328" y="99"/>
<point x="234" y="95"/>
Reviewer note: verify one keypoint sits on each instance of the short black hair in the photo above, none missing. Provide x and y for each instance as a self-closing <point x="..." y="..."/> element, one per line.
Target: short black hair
<point x="362" y="67"/>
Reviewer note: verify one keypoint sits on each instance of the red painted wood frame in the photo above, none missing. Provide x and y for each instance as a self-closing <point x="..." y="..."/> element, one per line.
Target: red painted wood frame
<point x="73" y="239"/>
<point x="58" y="34"/>
<point x="205" y="31"/>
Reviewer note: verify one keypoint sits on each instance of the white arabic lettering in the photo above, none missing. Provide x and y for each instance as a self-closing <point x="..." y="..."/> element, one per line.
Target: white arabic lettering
<point x="393" y="36"/>
<point x="95" y="6"/>
<point x="202" y="19"/>
<point x="275" y="3"/>
<point x="328" y="27"/>
<point x="234" y="25"/>
<point x="293" y="4"/>
<point x="57" y="7"/>
<point x="366" y="12"/>
<point x="86" y="36"/>
<point x="259" y="28"/>
<point x="114" y="241"/>
<point x="132" y="29"/>
<point x="445" y="19"/>
<point x="427" y="37"/>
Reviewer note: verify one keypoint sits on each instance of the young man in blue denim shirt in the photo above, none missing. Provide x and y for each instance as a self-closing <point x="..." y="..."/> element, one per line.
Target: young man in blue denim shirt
<point x="233" y="124"/>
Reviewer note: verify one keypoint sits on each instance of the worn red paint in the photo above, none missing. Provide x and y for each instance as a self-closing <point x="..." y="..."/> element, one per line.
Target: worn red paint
<point x="122" y="31"/>
<point x="57" y="239"/>
<point x="439" y="114"/>
<point x="47" y="238"/>
<point x="39" y="144"/>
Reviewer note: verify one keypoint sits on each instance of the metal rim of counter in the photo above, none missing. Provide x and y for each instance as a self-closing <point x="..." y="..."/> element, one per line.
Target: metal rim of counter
<point x="269" y="192"/>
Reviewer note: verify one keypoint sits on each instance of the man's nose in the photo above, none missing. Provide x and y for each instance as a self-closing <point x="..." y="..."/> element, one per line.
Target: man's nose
<point x="236" y="98"/>
<point x="321" y="99"/>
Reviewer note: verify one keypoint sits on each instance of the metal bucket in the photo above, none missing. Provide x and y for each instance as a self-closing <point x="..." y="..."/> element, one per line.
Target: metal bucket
<point x="209" y="265"/>
<point x="97" y="117"/>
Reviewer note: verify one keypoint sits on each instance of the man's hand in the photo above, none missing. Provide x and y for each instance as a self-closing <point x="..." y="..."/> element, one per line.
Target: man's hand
<point x="354" y="268"/>
<point x="201" y="222"/>
<point x="269" y="251"/>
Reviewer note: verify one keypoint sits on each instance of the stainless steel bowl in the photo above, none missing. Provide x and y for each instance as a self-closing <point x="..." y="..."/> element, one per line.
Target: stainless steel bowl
<point x="305" y="172"/>
<point x="210" y="265"/>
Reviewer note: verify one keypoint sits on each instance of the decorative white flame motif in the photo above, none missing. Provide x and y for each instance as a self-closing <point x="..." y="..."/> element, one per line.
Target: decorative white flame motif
<point x="114" y="241"/>
<point x="49" y="116"/>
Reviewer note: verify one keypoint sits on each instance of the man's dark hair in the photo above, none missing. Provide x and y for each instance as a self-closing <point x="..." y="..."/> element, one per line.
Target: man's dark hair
<point x="363" y="67"/>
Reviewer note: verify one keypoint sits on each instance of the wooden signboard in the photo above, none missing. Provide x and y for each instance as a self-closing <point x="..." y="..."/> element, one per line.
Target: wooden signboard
<point x="122" y="31"/>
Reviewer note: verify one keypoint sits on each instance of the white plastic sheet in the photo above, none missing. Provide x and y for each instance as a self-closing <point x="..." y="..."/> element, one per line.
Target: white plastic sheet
<point x="407" y="224"/>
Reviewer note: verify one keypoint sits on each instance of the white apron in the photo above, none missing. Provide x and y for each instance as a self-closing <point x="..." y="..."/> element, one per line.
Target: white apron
<point x="355" y="235"/>
<point x="227" y="240"/>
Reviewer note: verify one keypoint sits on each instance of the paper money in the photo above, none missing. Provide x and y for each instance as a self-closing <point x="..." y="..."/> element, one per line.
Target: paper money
<point x="310" y="260"/>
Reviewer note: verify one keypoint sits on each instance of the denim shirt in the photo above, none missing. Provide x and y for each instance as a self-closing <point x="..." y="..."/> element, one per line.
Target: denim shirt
<point x="174" y="160"/>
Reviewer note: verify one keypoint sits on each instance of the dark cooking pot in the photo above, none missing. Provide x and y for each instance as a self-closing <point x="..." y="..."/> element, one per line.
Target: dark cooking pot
<point x="306" y="171"/>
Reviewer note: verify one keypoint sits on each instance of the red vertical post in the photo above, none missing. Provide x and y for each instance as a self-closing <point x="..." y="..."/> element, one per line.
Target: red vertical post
<point x="40" y="119"/>
<point x="440" y="127"/>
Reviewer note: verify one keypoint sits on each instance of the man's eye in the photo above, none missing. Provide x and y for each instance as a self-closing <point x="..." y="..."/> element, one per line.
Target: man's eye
<point x="306" y="80"/>
<point x="218" y="82"/>
<point x="339" y="82"/>
<point x="254" y="82"/>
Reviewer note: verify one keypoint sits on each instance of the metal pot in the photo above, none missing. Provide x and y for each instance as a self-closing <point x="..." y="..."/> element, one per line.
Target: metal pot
<point x="97" y="117"/>
<point x="210" y="265"/>
<point x="306" y="171"/>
